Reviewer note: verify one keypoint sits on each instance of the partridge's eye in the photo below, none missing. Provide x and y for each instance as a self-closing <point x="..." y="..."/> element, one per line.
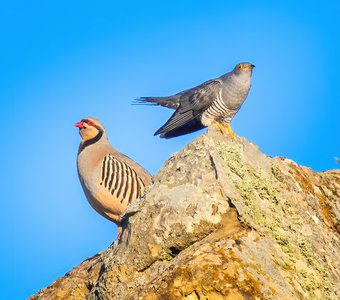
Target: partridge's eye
<point x="240" y="66"/>
<point x="90" y="123"/>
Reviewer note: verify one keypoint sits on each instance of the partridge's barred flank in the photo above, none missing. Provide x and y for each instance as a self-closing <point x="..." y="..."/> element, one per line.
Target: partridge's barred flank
<point x="110" y="180"/>
<point x="120" y="180"/>
<point x="213" y="102"/>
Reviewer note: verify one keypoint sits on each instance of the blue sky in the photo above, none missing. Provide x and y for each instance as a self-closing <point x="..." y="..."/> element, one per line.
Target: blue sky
<point x="63" y="60"/>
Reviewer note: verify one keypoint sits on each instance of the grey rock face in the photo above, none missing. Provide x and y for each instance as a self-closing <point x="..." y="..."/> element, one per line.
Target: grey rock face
<point x="222" y="221"/>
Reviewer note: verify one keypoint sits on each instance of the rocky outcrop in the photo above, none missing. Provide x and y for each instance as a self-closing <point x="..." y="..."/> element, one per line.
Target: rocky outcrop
<point x="222" y="221"/>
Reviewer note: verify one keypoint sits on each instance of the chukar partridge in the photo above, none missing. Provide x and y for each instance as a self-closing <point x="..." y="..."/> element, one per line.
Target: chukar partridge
<point x="110" y="179"/>
<point x="213" y="102"/>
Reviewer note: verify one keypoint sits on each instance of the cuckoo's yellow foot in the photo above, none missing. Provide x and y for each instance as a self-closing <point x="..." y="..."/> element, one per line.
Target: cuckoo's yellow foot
<point x="217" y="99"/>
<point x="220" y="126"/>
<point x="222" y="129"/>
<point x="231" y="133"/>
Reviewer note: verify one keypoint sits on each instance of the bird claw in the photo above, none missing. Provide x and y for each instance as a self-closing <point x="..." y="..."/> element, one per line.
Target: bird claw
<point x="230" y="131"/>
<point x="220" y="126"/>
<point x="223" y="129"/>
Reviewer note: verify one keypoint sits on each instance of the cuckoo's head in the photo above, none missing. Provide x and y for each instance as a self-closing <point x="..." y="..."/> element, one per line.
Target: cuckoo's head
<point x="89" y="128"/>
<point x="244" y="68"/>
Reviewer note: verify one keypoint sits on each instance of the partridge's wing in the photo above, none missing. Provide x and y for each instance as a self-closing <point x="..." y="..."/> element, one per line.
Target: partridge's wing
<point x="121" y="180"/>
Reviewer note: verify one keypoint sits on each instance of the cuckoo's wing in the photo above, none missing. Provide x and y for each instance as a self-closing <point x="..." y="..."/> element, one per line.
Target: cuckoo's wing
<point x="192" y="104"/>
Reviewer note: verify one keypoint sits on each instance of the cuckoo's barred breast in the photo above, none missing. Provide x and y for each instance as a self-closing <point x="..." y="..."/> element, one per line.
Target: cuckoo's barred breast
<point x="120" y="180"/>
<point x="217" y="109"/>
<point x="214" y="101"/>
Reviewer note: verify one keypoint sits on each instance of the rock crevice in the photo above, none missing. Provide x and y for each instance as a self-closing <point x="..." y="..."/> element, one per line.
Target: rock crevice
<point x="221" y="221"/>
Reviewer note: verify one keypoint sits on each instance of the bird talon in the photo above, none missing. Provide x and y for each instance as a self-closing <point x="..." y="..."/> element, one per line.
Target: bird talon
<point x="230" y="131"/>
<point x="196" y="108"/>
<point x="220" y="126"/>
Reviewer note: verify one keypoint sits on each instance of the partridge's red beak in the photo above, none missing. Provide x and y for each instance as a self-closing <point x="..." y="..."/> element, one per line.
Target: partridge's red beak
<point x="80" y="125"/>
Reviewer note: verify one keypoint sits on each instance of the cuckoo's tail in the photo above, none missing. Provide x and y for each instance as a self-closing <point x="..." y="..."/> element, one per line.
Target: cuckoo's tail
<point x="169" y="102"/>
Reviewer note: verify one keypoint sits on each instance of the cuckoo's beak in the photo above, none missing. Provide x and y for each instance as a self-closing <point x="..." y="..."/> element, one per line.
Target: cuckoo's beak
<point x="248" y="67"/>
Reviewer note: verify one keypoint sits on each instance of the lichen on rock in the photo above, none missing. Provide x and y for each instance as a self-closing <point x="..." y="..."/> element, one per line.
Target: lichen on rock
<point x="221" y="221"/>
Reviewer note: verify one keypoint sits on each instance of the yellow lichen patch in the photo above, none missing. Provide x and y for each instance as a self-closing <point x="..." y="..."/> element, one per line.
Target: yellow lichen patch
<point x="231" y="156"/>
<point x="285" y="244"/>
<point x="301" y="260"/>
<point x="307" y="252"/>
<point x="276" y="171"/>
<point x="310" y="283"/>
<point x="251" y="191"/>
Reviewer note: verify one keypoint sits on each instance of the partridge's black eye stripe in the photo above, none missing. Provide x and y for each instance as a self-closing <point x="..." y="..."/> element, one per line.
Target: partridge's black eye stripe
<point x="87" y="121"/>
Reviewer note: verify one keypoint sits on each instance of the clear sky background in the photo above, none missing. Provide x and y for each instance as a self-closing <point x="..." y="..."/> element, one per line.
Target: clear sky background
<point x="63" y="60"/>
